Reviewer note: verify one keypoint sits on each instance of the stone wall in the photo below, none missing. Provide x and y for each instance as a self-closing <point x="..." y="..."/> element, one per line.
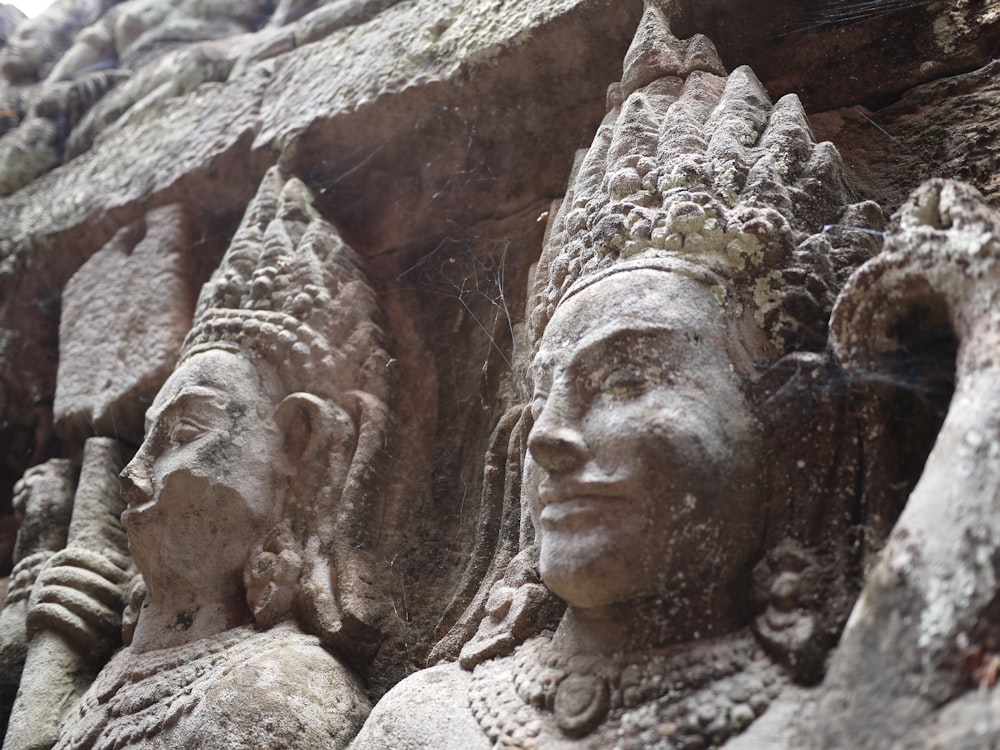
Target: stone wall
<point x="396" y="165"/>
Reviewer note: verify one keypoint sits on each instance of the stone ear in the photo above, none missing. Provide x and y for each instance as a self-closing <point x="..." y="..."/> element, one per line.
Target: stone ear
<point x="309" y="427"/>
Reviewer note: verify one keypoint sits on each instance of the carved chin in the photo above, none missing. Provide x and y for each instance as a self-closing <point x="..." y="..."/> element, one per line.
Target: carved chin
<point x="136" y="517"/>
<point x="193" y="521"/>
<point x="590" y="570"/>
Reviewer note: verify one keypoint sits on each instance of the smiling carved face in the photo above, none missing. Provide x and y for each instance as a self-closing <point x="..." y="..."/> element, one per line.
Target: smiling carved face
<point x="201" y="489"/>
<point x="642" y="454"/>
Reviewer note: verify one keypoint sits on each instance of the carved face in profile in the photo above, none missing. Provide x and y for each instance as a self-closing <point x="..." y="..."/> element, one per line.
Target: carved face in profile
<point x="201" y="490"/>
<point x="641" y="458"/>
<point x="23" y="53"/>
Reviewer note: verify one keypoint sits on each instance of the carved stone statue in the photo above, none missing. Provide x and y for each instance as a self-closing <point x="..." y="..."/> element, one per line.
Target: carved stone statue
<point x="43" y="499"/>
<point x="686" y="278"/>
<point x="918" y="663"/>
<point x="704" y="455"/>
<point x="74" y="614"/>
<point x="247" y="505"/>
<point x="60" y="117"/>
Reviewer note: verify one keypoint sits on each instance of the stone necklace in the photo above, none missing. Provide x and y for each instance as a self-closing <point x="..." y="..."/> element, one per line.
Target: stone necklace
<point x="139" y="696"/>
<point x="686" y="697"/>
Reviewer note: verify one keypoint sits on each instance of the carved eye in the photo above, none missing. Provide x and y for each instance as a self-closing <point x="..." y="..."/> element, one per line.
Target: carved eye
<point x="624" y="381"/>
<point x="186" y="431"/>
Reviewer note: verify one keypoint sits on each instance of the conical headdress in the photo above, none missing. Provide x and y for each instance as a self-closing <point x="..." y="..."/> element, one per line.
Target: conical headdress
<point x="698" y="172"/>
<point x="291" y="292"/>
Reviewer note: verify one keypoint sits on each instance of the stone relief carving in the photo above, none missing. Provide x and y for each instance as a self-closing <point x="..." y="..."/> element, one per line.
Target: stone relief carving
<point x="919" y="652"/>
<point x="699" y="217"/>
<point x="44" y="500"/>
<point x="248" y="503"/>
<point x="26" y="59"/>
<point x="137" y="55"/>
<point x="102" y="388"/>
<point x="639" y="516"/>
<point x="34" y="45"/>
<point x="74" y="612"/>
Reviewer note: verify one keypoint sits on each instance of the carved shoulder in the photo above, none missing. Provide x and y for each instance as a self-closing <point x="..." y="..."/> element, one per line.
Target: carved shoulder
<point x="292" y="695"/>
<point x="427" y="709"/>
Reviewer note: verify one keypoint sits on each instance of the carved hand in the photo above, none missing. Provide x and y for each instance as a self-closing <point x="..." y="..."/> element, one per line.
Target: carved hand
<point x="80" y="594"/>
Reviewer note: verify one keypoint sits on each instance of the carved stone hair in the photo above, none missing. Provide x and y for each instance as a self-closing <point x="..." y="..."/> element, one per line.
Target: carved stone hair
<point x="699" y="173"/>
<point x="291" y="293"/>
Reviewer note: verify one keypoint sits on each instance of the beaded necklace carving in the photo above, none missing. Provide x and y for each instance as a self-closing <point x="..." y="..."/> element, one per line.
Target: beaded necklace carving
<point x="689" y="697"/>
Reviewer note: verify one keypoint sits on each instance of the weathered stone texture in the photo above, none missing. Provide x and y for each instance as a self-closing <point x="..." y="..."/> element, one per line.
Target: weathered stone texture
<point x="118" y="344"/>
<point x="945" y="127"/>
<point x="387" y="189"/>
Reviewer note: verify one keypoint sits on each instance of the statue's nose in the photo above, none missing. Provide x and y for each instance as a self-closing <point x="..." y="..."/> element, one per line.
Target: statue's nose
<point x="135" y="482"/>
<point x="555" y="440"/>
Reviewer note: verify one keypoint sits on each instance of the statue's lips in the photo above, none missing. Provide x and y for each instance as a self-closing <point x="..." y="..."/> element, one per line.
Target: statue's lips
<point x="583" y="509"/>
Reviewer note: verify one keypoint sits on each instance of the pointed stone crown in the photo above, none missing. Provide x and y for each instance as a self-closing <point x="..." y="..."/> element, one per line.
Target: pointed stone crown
<point x="697" y="172"/>
<point x="291" y="292"/>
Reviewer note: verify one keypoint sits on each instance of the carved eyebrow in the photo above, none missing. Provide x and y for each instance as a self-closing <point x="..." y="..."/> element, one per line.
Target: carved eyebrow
<point x="193" y="394"/>
<point x="596" y="348"/>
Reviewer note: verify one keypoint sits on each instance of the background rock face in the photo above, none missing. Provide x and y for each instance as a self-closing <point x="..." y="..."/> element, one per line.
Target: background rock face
<point x="434" y="136"/>
<point x="100" y="386"/>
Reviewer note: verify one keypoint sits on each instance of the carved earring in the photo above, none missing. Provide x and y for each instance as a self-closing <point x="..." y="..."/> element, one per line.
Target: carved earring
<point x="790" y="584"/>
<point x="271" y="578"/>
